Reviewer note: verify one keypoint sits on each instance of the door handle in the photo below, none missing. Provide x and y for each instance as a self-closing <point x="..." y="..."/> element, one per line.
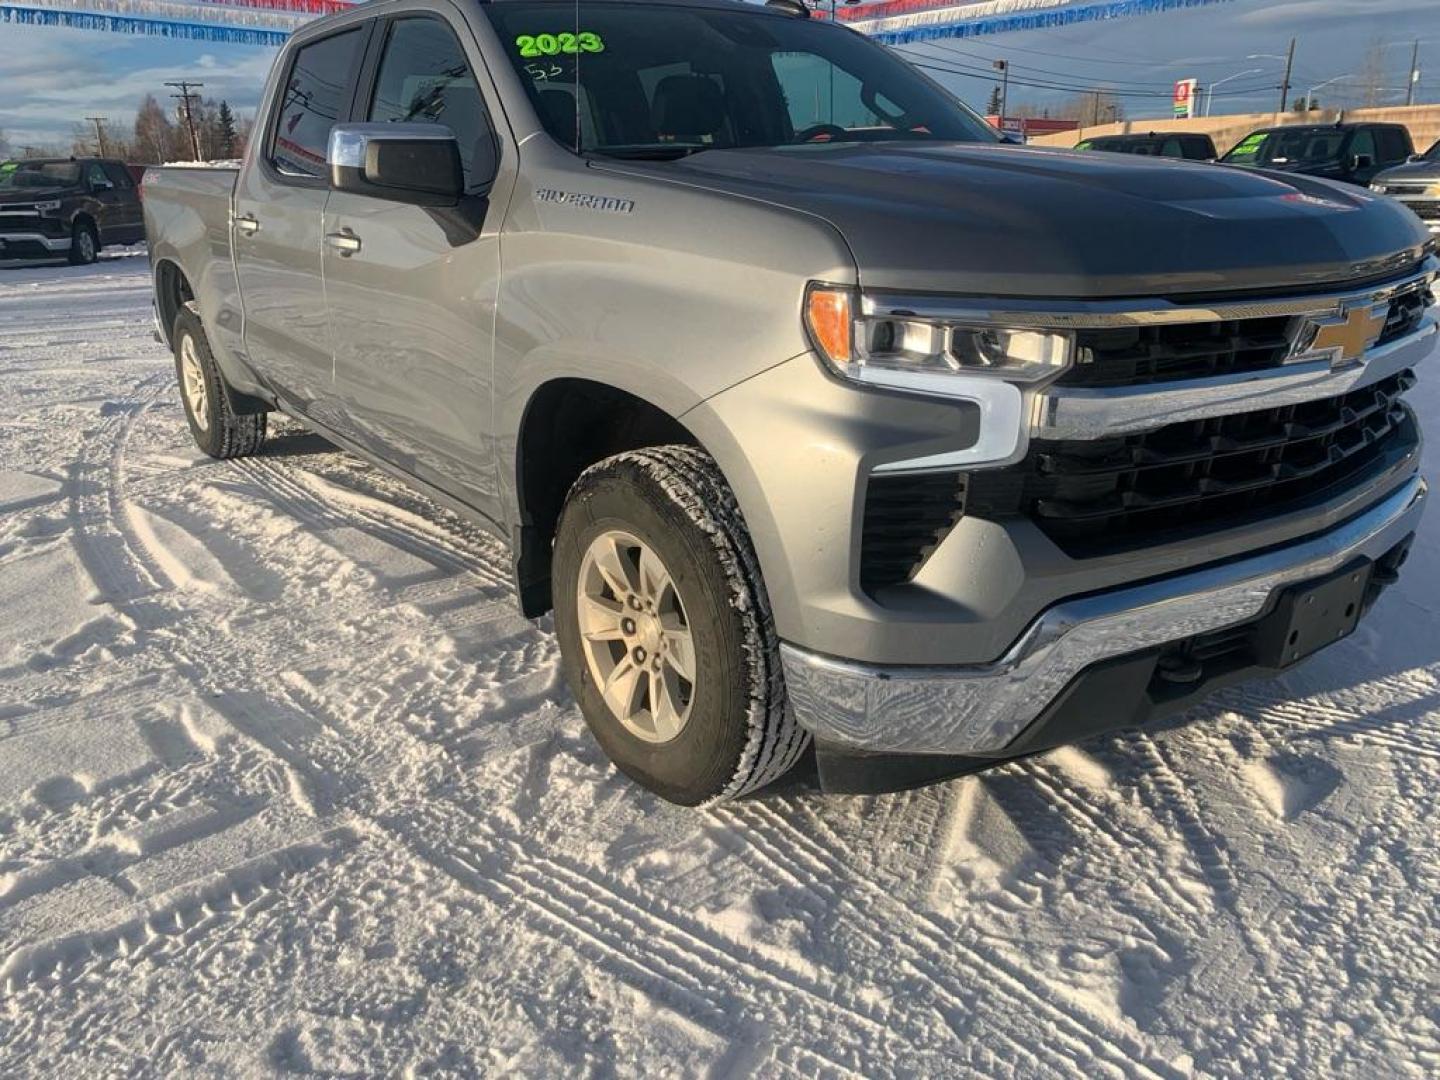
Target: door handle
<point x="247" y="224"/>
<point x="344" y="241"/>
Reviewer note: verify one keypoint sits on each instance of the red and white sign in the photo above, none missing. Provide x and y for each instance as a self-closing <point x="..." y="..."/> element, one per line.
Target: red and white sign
<point x="1185" y="98"/>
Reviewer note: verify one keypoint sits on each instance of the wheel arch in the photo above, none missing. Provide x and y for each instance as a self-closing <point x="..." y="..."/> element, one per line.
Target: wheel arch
<point x="172" y="292"/>
<point x="567" y="425"/>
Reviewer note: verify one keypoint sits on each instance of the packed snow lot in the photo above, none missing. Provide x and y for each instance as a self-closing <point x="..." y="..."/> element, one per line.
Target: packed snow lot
<point x="287" y="786"/>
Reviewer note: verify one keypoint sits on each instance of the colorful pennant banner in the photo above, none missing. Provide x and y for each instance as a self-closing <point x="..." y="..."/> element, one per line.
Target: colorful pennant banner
<point x="129" y="24"/>
<point x="178" y="12"/>
<point x="896" y="22"/>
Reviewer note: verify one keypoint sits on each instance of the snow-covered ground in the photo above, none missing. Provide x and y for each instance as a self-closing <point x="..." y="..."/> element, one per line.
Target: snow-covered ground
<point x="286" y="786"/>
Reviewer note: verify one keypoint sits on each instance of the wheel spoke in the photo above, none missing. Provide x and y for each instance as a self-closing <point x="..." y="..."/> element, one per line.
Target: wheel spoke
<point x="614" y="567"/>
<point x="665" y="716"/>
<point x="600" y="619"/>
<point x="680" y="650"/>
<point x="621" y="687"/>
<point x="654" y="578"/>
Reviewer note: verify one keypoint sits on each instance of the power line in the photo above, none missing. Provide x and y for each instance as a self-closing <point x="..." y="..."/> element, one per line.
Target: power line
<point x="1156" y="93"/>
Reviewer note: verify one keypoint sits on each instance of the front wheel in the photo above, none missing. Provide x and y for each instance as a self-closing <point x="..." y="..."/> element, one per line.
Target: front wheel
<point x="84" y="244"/>
<point x="665" y="631"/>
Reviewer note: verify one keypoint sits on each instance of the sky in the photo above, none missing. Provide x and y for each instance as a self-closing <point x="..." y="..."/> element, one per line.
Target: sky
<point x="51" y="79"/>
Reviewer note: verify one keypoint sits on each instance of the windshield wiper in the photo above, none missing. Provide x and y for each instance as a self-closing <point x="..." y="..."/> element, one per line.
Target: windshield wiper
<point x="659" y="152"/>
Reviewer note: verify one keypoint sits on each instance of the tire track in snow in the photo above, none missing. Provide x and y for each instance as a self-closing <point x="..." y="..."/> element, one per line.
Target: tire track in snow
<point x="1090" y="1034"/>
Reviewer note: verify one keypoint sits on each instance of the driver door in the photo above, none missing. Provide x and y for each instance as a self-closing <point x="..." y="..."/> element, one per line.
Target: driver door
<point x="411" y="291"/>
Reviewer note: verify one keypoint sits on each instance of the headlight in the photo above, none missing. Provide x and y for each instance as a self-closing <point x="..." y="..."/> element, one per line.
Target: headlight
<point x="48" y="207"/>
<point x="1379" y="189"/>
<point x="906" y="352"/>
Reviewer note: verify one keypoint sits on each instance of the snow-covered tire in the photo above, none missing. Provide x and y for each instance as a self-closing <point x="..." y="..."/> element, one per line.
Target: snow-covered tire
<point x="84" y="244"/>
<point x="740" y="733"/>
<point x="217" y="428"/>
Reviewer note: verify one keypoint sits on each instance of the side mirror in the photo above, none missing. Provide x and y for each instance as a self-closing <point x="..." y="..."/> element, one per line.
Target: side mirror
<point x="1361" y="162"/>
<point x="418" y="164"/>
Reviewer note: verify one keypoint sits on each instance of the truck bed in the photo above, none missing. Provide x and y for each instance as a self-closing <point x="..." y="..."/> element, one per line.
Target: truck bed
<point x="187" y="222"/>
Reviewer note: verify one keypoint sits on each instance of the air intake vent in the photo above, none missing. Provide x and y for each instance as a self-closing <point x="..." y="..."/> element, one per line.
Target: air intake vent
<point x="905" y="518"/>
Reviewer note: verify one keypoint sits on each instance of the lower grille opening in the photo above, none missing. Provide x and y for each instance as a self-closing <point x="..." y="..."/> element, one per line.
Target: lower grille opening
<point x="906" y="517"/>
<point x="1099" y="496"/>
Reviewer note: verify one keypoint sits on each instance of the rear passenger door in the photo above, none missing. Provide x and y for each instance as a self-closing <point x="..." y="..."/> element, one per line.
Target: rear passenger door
<point x="412" y="291"/>
<point x="129" y="221"/>
<point x="276" y="231"/>
<point x="105" y="203"/>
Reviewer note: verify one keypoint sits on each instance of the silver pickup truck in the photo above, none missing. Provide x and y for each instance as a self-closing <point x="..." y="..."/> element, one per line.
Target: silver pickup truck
<point x="812" y="409"/>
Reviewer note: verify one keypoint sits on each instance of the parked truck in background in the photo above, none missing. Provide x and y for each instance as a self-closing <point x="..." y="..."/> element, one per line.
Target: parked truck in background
<point x="66" y="208"/>
<point x="1416" y="184"/>
<point x="1349" y="153"/>
<point x="810" y="414"/>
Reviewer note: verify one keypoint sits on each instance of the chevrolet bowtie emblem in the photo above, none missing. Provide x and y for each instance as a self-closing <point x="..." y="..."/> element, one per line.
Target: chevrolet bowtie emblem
<point x="1345" y="338"/>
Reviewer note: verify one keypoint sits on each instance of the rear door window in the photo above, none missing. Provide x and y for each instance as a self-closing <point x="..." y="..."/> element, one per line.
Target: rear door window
<point x="316" y="97"/>
<point x="119" y="176"/>
<point x="1394" y="147"/>
<point x="425" y="78"/>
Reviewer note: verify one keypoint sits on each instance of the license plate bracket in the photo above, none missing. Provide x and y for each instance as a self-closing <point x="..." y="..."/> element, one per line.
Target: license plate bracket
<point x="1309" y="616"/>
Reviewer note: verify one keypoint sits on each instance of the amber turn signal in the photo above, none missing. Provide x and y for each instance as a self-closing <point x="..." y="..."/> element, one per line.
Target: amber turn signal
<point x="830" y="320"/>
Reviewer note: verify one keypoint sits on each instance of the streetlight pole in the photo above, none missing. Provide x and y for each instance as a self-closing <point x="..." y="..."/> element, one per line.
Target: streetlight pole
<point x="1210" y="90"/>
<point x="1414" y="75"/>
<point x="1310" y="96"/>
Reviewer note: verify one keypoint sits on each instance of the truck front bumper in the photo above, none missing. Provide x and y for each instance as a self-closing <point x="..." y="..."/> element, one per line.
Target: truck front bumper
<point x="990" y="710"/>
<point x="31" y="245"/>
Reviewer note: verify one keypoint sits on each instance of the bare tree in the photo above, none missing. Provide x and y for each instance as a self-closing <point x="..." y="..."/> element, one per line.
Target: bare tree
<point x="1092" y="108"/>
<point x="155" y="135"/>
<point x="4" y="144"/>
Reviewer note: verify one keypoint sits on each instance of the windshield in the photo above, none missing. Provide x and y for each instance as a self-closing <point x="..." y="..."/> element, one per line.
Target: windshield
<point x="1284" y="147"/>
<point x="654" y="81"/>
<point x="1433" y="154"/>
<point x="38" y="174"/>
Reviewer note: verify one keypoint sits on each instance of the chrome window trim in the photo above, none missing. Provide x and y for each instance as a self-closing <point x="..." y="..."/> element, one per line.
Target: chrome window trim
<point x="1065" y="413"/>
<point x="983" y="708"/>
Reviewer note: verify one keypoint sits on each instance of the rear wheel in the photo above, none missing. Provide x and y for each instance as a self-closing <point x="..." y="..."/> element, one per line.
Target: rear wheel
<point x="84" y="244"/>
<point x="217" y="428"/>
<point x="665" y="630"/>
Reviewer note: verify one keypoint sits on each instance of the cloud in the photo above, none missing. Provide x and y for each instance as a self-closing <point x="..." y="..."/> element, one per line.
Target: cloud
<point x="54" y="78"/>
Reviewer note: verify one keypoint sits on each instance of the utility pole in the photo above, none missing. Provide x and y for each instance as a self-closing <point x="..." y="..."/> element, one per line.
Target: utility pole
<point x="185" y="97"/>
<point x="1289" y="67"/>
<point x="99" y="122"/>
<point x="1414" y="74"/>
<point x="1003" y="66"/>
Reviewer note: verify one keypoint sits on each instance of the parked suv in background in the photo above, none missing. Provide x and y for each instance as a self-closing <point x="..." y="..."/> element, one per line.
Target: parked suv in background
<point x="67" y="207"/>
<point x="1416" y="184"/>
<point x="1189" y="146"/>
<point x="809" y="413"/>
<point x="1353" y="153"/>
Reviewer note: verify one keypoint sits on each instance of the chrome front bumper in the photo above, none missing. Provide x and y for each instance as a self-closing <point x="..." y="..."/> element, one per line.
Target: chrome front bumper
<point x="49" y="243"/>
<point x="981" y="709"/>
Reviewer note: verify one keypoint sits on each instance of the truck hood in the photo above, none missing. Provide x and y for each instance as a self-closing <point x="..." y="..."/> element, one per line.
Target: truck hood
<point x="1415" y="172"/>
<point x="1005" y="220"/>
